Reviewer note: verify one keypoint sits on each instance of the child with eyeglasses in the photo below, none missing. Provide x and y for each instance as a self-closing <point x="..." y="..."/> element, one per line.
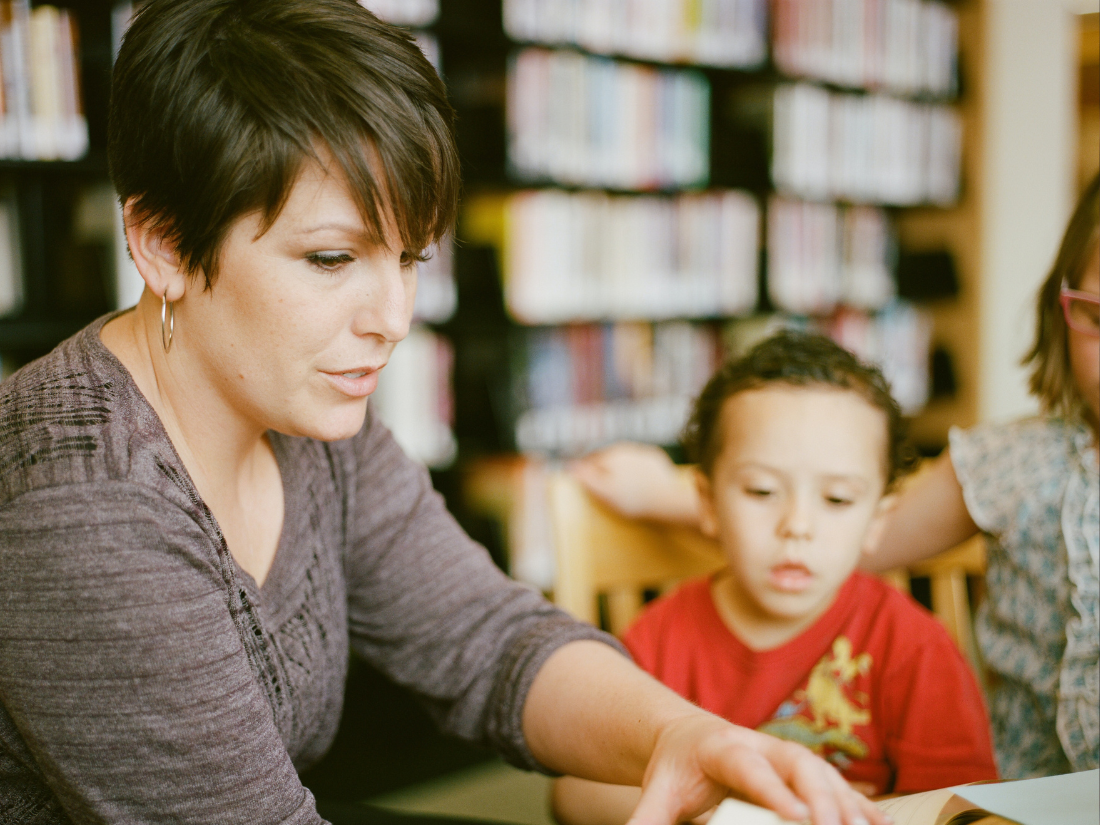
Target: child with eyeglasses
<point x="1032" y="486"/>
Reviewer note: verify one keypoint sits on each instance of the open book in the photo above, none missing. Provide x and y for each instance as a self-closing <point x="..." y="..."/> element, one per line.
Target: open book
<point x="1072" y="799"/>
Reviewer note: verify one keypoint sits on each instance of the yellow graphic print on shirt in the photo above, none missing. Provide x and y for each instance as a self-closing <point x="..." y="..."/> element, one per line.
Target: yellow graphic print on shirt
<point x="822" y="715"/>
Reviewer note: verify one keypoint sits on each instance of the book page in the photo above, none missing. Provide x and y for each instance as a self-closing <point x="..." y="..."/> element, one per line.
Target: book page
<point x="1070" y="799"/>
<point x="940" y="807"/>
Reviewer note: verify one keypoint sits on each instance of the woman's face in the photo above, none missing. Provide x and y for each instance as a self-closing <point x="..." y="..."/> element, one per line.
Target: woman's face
<point x="1084" y="353"/>
<point x="303" y="317"/>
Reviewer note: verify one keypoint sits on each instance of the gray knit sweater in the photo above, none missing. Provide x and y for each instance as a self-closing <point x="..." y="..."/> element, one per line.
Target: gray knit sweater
<point x="144" y="677"/>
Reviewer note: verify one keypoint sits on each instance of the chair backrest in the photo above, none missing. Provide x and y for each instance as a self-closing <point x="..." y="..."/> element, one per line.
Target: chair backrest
<point x="948" y="575"/>
<point x="602" y="553"/>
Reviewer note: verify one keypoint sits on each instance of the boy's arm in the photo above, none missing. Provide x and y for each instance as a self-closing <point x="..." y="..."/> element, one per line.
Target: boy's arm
<point x="576" y="801"/>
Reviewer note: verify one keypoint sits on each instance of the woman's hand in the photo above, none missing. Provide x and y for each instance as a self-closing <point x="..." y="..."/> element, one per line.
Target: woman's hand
<point x="639" y="481"/>
<point x="591" y="713"/>
<point x="700" y="758"/>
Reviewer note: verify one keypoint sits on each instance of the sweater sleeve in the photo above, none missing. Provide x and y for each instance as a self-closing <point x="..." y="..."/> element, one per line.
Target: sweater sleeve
<point x="123" y="679"/>
<point x="428" y="606"/>
<point x="938" y="730"/>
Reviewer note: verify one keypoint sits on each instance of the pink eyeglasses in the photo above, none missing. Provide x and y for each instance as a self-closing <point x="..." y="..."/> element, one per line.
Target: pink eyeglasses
<point x="1081" y="309"/>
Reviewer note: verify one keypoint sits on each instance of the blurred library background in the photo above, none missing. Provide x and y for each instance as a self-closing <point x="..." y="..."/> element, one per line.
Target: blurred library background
<point x="649" y="187"/>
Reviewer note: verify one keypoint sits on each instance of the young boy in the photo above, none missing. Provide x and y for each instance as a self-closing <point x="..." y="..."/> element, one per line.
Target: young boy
<point x="797" y="446"/>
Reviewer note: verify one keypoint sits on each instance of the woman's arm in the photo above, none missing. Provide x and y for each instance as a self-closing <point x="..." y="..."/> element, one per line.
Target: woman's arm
<point x="584" y="802"/>
<point x="593" y="714"/>
<point x="930" y="516"/>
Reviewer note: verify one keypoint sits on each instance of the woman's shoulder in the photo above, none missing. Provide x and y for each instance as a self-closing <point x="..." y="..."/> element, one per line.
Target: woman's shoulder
<point x="75" y="417"/>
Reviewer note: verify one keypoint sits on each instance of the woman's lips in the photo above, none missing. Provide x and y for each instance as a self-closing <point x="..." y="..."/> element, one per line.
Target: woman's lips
<point x="790" y="577"/>
<point x="355" y="383"/>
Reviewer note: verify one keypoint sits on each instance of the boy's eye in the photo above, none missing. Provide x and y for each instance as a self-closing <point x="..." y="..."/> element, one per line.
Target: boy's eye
<point x="329" y="261"/>
<point x="838" y="501"/>
<point x="759" y="492"/>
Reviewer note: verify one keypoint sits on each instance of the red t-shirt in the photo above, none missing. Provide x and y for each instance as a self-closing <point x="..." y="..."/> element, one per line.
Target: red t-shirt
<point x="876" y="686"/>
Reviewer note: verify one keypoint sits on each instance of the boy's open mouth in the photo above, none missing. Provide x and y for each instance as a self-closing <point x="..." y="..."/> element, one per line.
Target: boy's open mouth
<point x="790" y="577"/>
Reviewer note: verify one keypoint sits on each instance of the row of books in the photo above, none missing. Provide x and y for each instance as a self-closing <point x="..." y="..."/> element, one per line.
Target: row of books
<point x="414" y="397"/>
<point x="821" y="255"/>
<point x="586" y="386"/>
<point x="41" y="110"/>
<point x="590" y="255"/>
<point x="404" y="12"/>
<point x="593" y="121"/>
<point x="706" y="32"/>
<point x="898" y="339"/>
<point x="864" y="148"/>
<point x="904" y="46"/>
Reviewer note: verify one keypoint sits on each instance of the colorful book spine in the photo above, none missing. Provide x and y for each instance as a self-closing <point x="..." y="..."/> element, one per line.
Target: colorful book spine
<point x="590" y="121"/>
<point x="725" y="33"/>
<point x="42" y="117"/>
<point x="590" y="255"/>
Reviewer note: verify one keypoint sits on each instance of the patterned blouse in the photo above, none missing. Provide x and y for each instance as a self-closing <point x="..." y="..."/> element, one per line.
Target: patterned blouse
<point x="1033" y="487"/>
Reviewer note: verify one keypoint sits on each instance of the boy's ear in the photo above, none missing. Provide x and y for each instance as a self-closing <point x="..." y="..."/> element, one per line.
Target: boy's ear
<point x="708" y="519"/>
<point x="155" y="257"/>
<point x="879" y="520"/>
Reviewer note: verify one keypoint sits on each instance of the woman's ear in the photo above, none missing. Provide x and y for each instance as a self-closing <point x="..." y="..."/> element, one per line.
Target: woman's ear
<point x="708" y="518"/>
<point x="877" y="527"/>
<point x="155" y="257"/>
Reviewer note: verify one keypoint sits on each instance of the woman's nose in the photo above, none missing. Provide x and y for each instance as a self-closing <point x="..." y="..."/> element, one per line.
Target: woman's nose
<point x="386" y="303"/>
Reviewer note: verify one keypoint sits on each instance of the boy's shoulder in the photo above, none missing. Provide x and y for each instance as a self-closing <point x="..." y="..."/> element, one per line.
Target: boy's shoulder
<point x="885" y="618"/>
<point x="687" y="611"/>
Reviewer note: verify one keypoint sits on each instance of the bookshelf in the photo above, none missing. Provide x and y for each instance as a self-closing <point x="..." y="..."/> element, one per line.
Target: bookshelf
<point x="639" y="167"/>
<point x="633" y="248"/>
<point x="56" y="270"/>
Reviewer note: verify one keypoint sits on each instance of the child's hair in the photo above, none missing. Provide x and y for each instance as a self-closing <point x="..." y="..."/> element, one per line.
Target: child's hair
<point x="798" y="360"/>
<point x="1051" y="380"/>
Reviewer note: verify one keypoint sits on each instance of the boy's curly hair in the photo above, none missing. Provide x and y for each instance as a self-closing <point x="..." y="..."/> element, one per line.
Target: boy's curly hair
<point x="798" y="360"/>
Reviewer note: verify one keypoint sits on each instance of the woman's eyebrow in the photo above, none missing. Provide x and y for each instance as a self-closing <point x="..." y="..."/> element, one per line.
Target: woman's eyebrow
<point x="339" y="226"/>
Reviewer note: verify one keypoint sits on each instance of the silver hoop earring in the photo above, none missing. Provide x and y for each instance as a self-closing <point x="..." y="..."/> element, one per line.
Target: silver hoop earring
<point x="167" y="321"/>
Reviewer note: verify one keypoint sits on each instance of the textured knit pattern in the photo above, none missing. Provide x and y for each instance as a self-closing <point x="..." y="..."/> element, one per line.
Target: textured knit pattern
<point x="1033" y="486"/>
<point x="144" y="677"/>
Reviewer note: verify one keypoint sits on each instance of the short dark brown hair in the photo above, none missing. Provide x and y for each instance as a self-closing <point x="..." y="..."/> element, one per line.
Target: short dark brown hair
<point x="215" y="104"/>
<point x="1051" y="379"/>
<point x="797" y="360"/>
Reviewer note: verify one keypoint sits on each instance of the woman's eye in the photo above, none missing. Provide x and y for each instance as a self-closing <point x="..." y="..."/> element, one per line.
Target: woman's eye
<point x="408" y="259"/>
<point x="758" y="492"/>
<point x="838" y="501"/>
<point x="329" y="261"/>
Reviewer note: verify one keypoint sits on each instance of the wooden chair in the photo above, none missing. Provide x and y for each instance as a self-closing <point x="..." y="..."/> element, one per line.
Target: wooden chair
<point x="948" y="575"/>
<point x="601" y="553"/>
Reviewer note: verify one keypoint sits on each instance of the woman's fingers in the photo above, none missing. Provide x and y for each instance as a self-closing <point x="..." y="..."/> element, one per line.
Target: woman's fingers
<point x="830" y="798"/>
<point x="790" y="780"/>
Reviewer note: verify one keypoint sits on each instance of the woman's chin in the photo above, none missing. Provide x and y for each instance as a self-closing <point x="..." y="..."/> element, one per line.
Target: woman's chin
<point x="332" y="424"/>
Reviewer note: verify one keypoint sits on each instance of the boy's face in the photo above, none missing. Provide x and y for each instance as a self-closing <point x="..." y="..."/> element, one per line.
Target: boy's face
<point x="794" y="496"/>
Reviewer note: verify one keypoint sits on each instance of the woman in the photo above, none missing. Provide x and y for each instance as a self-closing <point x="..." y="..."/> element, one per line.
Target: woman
<point x="197" y="514"/>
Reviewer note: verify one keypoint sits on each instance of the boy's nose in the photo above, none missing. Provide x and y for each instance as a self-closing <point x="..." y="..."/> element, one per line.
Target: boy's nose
<point x="797" y="522"/>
